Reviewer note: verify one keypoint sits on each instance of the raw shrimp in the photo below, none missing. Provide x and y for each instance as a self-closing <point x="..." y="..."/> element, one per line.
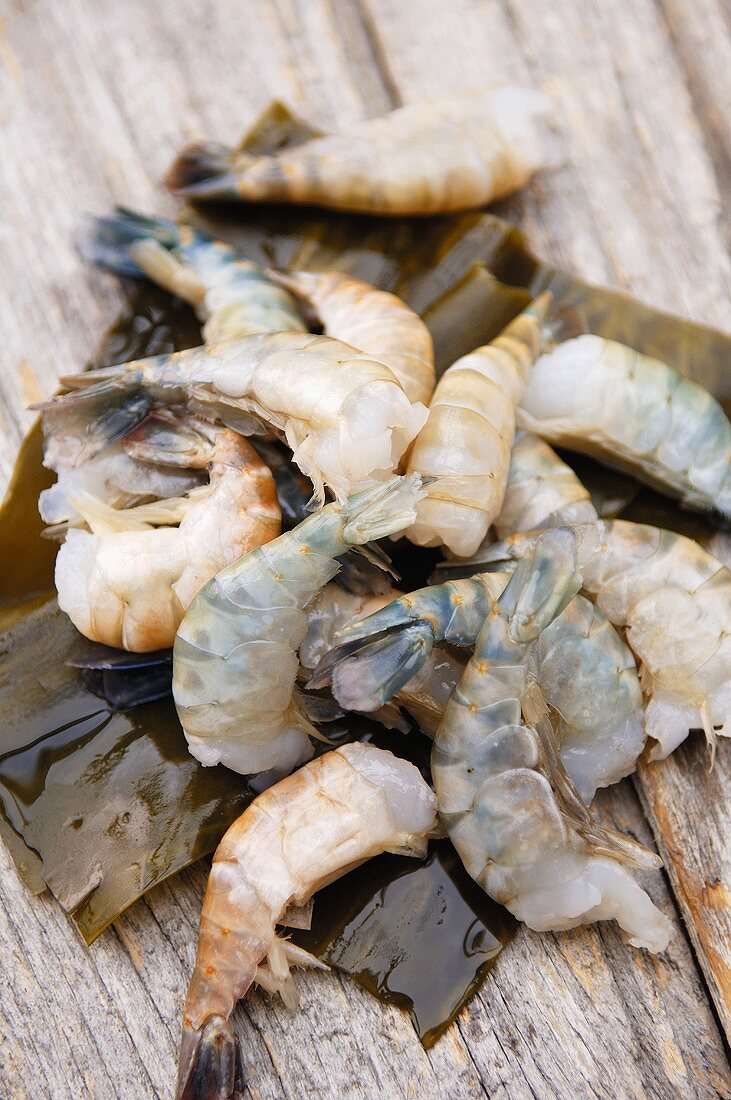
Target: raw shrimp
<point x="671" y="597"/>
<point x="586" y="672"/>
<point x="116" y="478"/>
<point x="542" y="491"/>
<point x="233" y="296"/>
<point x="331" y="612"/>
<point x="332" y="815"/>
<point x="467" y="438"/>
<point x="425" y="158"/>
<point x="127" y="582"/>
<point x="235" y="658"/>
<point x="374" y="321"/>
<point x="423" y="697"/>
<point x="364" y="570"/>
<point x="633" y="412"/>
<point x="501" y="793"/>
<point x="344" y="415"/>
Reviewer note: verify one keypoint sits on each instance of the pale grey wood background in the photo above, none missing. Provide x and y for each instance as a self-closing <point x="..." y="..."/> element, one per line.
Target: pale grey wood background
<point x="95" y="97"/>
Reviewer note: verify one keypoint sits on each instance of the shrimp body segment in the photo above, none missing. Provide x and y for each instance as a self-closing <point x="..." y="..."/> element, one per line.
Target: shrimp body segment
<point x="499" y="794"/>
<point x="674" y="600"/>
<point x="128" y="581"/>
<point x="231" y="295"/>
<point x="245" y="627"/>
<point x="330" y="816"/>
<point x="542" y="491"/>
<point x="372" y="320"/>
<point x="435" y="157"/>
<point x="634" y="412"/>
<point x="671" y="597"/>
<point x="468" y="435"/>
<point x="585" y="671"/>
<point x="344" y="415"/>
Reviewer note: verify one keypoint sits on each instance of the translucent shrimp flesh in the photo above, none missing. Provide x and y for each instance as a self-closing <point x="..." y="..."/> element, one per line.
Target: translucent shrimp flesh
<point x="244" y="629"/>
<point x="128" y="580"/>
<point x="116" y="478"/>
<point x="501" y="792"/>
<point x="332" y="815"/>
<point x="671" y="597"/>
<point x="433" y="157"/>
<point x="633" y="412"/>
<point x="344" y="416"/>
<point x="542" y="491"/>
<point x="374" y="321"/>
<point x="585" y="671"/>
<point x="231" y="295"/>
<point x="466" y="441"/>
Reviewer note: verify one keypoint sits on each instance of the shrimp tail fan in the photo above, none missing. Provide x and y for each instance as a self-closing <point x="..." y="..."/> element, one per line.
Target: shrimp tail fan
<point x="366" y="570"/>
<point x="203" y="170"/>
<point x="210" y="1063"/>
<point x="104" y="406"/>
<point x="366" y="672"/>
<point x="112" y="241"/>
<point x="383" y="510"/>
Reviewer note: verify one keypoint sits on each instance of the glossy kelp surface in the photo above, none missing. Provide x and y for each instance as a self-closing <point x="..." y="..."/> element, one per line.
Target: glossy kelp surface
<point x="98" y="802"/>
<point x="109" y="799"/>
<point x="419" y="934"/>
<point x="390" y="905"/>
<point x="101" y="802"/>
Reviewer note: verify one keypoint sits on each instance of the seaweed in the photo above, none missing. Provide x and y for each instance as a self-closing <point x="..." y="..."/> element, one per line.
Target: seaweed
<point x="100" y="800"/>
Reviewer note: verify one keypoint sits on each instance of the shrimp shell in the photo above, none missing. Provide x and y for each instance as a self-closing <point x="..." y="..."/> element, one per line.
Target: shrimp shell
<point x="231" y="295"/>
<point x="426" y="158"/>
<point x="332" y="815"/>
<point x="542" y="491"/>
<point x="344" y="415"/>
<point x="585" y="671"/>
<point x="671" y="597"/>
<point x="468" y="435"/>
<point x="501" y="796"/>
<point x="130" y="588"/>
<point x="607" y="400"/>
<point x="374" y="321"/>
<point x="115" y="477"/>
<point x="425" y="694"/>
<point x="244" y="628"/>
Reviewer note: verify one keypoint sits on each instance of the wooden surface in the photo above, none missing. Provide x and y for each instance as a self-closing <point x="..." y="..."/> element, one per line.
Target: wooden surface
<point x="95" y="97"/>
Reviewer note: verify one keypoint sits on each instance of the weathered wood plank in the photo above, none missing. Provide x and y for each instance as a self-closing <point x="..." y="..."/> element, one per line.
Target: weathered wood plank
<point x="559" y="1015"/>
<point x="95" y="99"/>
<point x="645" y="177"/>
<point x="688" y="810"/>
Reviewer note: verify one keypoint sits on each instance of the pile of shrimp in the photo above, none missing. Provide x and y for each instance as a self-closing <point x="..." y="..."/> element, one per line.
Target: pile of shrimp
<point x="229" y="502"/>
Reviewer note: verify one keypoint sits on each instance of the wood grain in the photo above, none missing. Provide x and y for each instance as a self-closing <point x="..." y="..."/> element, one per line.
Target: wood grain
<point x="95" y="98"/>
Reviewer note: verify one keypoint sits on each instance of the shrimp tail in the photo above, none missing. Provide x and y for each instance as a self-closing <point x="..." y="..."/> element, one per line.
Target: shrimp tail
<point x="366" y="673"/>
<point x="544" y="583"/>
<point x="203" y="170"/>
<point x="210" y="1063"/>
<point x="165" y="439"/>
<point x="109" y="241"/>
<point x="366" y="570"/>
<point x="105" y="406"/>
<point x="383" y="510"/>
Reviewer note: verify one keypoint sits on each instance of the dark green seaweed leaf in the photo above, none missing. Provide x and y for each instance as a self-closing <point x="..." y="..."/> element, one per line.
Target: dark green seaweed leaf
<point x="102" y="804"/>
